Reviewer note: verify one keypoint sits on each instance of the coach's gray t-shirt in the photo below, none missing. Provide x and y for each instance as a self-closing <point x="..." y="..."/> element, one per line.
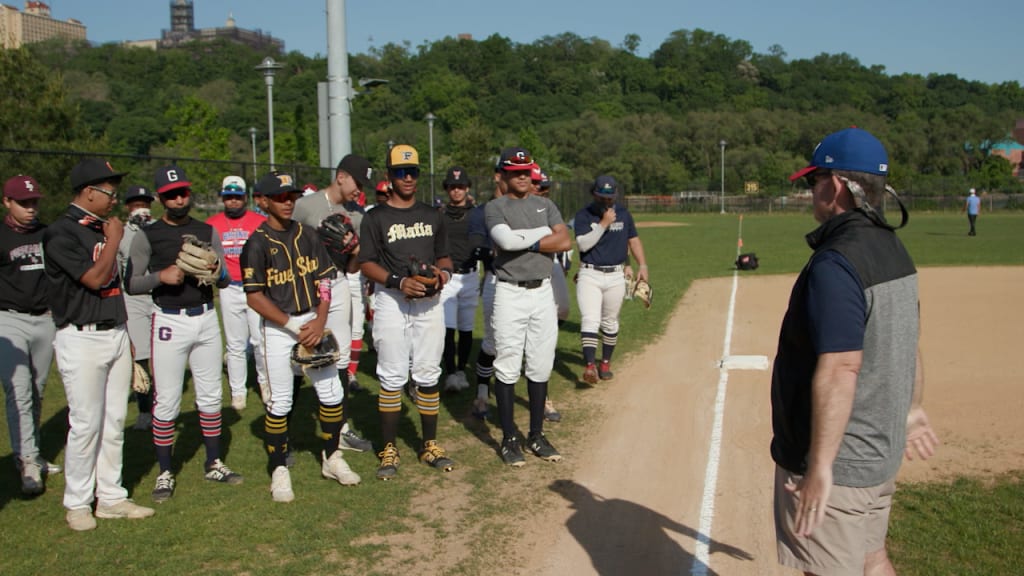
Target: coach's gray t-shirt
<point x="521" y="214"/>
<point x="311" y="210"/>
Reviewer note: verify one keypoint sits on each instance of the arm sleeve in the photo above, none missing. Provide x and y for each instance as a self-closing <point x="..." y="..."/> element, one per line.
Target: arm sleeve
<point x="836" y="305"/>
<point x="590" y="239"/>
<point x="512" y="240"/>
<point x="142" y="281"/>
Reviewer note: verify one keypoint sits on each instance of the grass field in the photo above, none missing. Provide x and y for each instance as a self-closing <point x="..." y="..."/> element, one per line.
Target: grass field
<point x="213" y="529"/>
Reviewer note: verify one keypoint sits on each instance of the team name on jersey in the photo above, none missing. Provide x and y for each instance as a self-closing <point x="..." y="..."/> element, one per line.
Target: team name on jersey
<point x="304" y="266"/>
<point x="403" y="232"/>
<point x="27" y="257"/>
<point x="616" y="226"/>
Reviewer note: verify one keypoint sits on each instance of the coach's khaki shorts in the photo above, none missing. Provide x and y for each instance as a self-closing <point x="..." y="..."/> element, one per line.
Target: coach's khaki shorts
<point x="855" y="524"/>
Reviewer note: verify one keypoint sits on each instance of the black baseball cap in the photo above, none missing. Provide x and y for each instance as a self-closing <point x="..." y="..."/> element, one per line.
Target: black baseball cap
<point x="456" y="176"/>
<point x="170" y="178"/>
<point x="275" y="183"/>
<point x="94" y="171"/>
<point x="138" y="193"/>
<point x="605" y="186"/>
<point x="515" y="158"/>
<point x="357" y="167"/>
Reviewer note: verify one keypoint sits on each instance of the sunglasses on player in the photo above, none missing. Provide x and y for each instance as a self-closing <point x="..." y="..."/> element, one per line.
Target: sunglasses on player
<point x="401" y="173"/>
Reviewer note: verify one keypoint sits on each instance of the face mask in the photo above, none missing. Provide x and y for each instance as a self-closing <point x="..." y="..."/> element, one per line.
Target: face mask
<point x="178" y="213"/>
<point x="234" y="213"/>
<point x="140" y="217"/>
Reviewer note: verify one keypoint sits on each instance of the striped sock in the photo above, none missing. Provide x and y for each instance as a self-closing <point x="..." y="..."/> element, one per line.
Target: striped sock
<point x="353" y="358"/>
<point x="484" y="369"/>
<point x="608" y="342"/>
<point x="389" y="404"/>
<point x="428" y="401"/>
<point x="210" y="423"/>
<point x="589" y="346"/>
<point x="275" y="439"/>
<point x="330" y="425"/>
<point x="163" y="440"/>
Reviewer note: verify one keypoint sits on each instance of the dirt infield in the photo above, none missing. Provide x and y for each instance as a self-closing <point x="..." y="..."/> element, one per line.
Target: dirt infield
<point x="632" y="501"/>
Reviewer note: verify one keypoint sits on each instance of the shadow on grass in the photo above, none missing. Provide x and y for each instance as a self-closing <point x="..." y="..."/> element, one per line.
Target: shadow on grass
<point x="640" y="543"/>
<point x="52" y="436"/>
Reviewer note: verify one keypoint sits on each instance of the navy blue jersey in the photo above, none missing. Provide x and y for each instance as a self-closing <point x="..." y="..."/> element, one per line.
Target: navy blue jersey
<point x="613" y="247"/>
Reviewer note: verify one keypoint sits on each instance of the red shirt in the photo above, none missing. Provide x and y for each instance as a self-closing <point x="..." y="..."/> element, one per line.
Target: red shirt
<point x="233" y="234"/>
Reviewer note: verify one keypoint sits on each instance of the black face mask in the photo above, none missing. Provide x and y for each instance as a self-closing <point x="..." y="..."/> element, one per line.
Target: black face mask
<point x="178" y="213"/>
<point x="234" y="213"/>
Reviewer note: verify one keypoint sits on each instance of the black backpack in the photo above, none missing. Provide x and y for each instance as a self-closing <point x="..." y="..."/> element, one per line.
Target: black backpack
<point x="747" y="261"/>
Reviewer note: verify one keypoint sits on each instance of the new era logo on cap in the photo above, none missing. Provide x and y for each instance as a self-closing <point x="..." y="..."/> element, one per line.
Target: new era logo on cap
<point x="852" y="149"/>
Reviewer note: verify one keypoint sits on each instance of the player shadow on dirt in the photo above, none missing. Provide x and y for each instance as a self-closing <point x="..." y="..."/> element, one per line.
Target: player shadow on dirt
<point x="52" y="436"/>
<point x="623" y="537"/>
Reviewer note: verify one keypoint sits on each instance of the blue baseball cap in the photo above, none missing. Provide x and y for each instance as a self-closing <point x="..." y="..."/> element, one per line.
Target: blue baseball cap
<point x="232" y="186"/>
<point x="851" y="149"/>
<point x="605" y="186"/>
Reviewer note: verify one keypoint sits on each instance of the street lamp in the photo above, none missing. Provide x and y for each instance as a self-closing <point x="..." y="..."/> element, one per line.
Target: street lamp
<point x="252" y="137"/>
<point x="269" y="67"/>
<point x="721" y="144"/>
<point x="430" y="125"/>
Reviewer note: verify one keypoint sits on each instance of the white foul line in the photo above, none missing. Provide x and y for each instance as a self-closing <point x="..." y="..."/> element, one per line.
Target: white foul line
<point x="701" y="557"/>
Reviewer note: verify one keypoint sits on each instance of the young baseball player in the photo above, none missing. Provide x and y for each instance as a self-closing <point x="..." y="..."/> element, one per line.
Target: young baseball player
<point x="137" y="203"/>
<point x="241" y="324"/>
<point x="287" y="277"/>
<point x="346" y="317"/>
<point x="526" y="230"/>
<point x="92" y="347"/>
<point x="459" y="297"/>
<point x="606" y="236"/>
<point x="26" y="328"/>
<point x="185" y="328"/>
<point x="408" y="318"/>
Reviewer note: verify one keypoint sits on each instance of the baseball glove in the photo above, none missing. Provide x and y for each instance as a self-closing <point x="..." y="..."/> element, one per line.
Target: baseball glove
<point x="424" y="274"/>
<point x="326" y="353"/>
<point x="643" y="292"/>
<point x="140" y="380"/>
<point x="339" y="237"/>
<point x="198" y="260"/>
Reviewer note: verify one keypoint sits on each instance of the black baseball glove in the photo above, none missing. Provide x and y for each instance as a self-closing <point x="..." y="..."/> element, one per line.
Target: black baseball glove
<point x="424" y="274"/>
<point x="339" y="237"/>
<point x="326" y="353"/>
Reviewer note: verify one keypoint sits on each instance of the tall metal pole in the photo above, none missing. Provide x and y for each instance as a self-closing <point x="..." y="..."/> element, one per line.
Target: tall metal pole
<point x="722" y="143"/>
<point x="252" y="136"/>
<point x="430" y="126"/>
<point x="269" y="67"/>
<point x="339" y="85"/>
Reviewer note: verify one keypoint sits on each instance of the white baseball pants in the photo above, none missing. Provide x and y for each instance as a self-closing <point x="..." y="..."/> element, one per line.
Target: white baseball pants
<point x="525" y="322"/>
<point x="407" y="332"/>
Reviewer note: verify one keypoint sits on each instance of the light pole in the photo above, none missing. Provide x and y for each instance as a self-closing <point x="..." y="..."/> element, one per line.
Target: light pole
<point x="721" y="144"/>
<point x="252" y="138"/>
<point x="430" y="126"/>
<point x="269" y="67"/>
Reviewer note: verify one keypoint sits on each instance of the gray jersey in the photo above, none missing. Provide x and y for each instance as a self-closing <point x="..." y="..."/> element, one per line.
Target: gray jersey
<point x="522" y="213"/>
<point x="311" y="210"/>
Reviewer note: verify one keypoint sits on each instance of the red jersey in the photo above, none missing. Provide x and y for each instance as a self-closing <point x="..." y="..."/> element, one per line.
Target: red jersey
<point x="233" y="234"/>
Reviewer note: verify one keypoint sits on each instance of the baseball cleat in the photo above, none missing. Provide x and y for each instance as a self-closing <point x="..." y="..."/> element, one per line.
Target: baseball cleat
<point x="463" y="381"/>
<point x="550" y="414"/>
<point x="389" y="460"/>
<point x="480" y="408"/>
<point x="238" y="402"/>
<point x="164" y="487"/>
<point x="349" y="440"/>
<point x="433" y="455"/>
<point x="123" y="509"/>
<point x="539" y="445"/>
<point x="354" y="387"/>
<point x="143" y="422"/>
<point x="80" y="519"/>
<point x="511" y="452"/>
<point x="590" y="374"/>
<point x="31" y="477"/>
<point x="604" y="371"/>
<point x="451" y="383"/>
<point x="281" y="485"/>
<point x="335" y="468"/>
<point x="219" y="472"/>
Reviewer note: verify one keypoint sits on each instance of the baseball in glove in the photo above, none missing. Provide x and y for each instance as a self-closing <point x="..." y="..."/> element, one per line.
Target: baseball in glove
<point x="326" y="353"/>
<point x="339" y="237"/>
<point x="198" y="260"/>
<point x="140" y="380"/>
<point x="643" y="292"/>
<point x="425" y="275"/>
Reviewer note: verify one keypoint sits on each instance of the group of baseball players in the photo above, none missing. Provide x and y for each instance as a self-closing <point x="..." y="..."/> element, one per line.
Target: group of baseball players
<point x="109" y="296"/>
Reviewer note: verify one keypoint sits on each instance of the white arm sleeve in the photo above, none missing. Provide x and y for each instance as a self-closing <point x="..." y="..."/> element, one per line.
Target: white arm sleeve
<point x="589" y="240"/>
<point x="511" y="240"/>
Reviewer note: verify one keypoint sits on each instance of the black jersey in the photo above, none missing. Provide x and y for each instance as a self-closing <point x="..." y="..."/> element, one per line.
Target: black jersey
<point x="22" y="280"/>
<point x="456" y="220"/>
<point x="164" y="244"/>
<point x="71" y="245"/>
<point x="393" y="237"/>
<point x="286" y="265"/>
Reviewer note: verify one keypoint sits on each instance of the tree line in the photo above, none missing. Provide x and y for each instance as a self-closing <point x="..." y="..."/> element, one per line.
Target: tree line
<point x="582" y="105"/>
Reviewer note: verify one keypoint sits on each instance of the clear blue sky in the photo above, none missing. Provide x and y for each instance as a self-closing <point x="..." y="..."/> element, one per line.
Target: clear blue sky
<point x="974" y="41"/>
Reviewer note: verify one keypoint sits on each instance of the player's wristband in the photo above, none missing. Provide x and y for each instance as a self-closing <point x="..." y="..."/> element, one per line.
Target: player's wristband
<point x="394" y="282"/>
<point x="450" y="272"/>
<point x="294" y="325"/>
